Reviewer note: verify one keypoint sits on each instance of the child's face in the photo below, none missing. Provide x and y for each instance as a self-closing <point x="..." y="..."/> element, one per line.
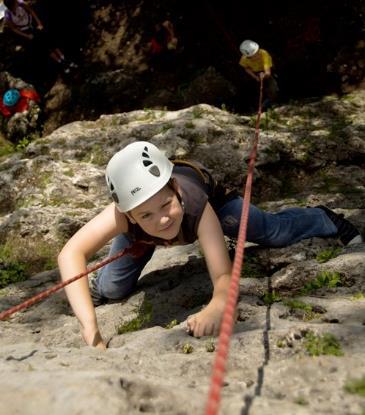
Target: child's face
<point x="161" y="215"/>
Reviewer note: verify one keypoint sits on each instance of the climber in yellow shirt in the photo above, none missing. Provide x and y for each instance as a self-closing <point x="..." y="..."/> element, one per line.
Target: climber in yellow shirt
<point x="258" y="64"/>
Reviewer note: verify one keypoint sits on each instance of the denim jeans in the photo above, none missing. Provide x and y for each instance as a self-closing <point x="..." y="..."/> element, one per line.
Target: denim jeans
<point x="119" y="278"/>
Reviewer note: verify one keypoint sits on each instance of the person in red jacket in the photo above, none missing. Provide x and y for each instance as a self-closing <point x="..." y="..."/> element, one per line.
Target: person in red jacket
<point x="17" y="100"/>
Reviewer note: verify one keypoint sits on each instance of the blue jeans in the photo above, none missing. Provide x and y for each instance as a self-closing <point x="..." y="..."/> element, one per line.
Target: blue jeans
<point x="119" y="278"/>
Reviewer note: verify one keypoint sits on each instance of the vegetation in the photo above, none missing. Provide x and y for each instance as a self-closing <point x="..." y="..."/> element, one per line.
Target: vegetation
<point x="327" y="254"/>
<point x="210" y="346"/>
<point x="187" y="348"/>
<point x="309" y="314"/>
<point x="317" y="345"/>
<point x="358" y="296"/>
<point x="270" y="297"/>
<point x="300" y="400"/>
<point x="328" y="279"/>
<point x="356" y="386"/>
<point x="172" y="324"/>
<point x="13" y="272"/>
<point x="143" y="318"/>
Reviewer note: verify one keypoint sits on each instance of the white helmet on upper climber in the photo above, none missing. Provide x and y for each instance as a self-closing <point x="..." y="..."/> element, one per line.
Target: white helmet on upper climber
<point x="136" y="173"/>
<point x="248" y="48"/>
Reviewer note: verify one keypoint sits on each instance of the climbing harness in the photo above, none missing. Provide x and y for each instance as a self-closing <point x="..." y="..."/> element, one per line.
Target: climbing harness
<point x="229" y="311"/>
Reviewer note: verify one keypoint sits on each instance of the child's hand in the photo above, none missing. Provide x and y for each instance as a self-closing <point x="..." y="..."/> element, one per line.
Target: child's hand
<point x="93" y="338"/>
<point x="206" y="322"/>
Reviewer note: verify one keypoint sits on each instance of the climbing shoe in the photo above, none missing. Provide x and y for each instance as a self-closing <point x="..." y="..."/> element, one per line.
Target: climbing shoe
<point x="346" y="231"/>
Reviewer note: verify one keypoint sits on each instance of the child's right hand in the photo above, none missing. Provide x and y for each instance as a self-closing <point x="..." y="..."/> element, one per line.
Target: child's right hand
<point x="93" y="337"/>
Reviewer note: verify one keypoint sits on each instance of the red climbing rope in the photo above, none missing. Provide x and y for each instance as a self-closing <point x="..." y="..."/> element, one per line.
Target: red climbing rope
<point x="135" y="250"/>
<point x="229" y="311"/>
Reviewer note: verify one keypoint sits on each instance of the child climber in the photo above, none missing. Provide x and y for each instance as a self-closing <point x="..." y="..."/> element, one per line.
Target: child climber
<point x="158" y="203"/>
<point x="258" y="64"/>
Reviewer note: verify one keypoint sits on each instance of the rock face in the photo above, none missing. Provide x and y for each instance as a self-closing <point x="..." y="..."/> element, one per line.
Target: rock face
<point x="294" y="302"/>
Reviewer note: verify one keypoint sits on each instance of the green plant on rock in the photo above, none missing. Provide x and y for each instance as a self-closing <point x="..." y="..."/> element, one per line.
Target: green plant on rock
<point x="327" y="254"/>
<point x="210" y="346"/>
<point x="300" y="400"/>
<point x="189" y="124"/>
<point x="166" y="127"/>
<point x="197" y="112"/>
<point x="251" y="267"/>
<point x="309" y="314"/>
<point x="143" y="318"/>
<point x="328" y="279"/>
<point x="187" y="348"/>
<point x="270" y="297"/>
<point x="11" y="273"/>
<point x="358" y="296"/>
<point x="356" y="386"/>
<point x="172" y="324"/>
<point x="317" y="345"/>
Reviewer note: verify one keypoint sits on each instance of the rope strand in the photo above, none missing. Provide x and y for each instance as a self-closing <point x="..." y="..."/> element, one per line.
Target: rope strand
<point x="226" y="329"/>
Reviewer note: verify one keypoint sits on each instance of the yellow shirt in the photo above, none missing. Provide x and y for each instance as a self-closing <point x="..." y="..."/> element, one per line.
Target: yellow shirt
<point x="259" y="63"/>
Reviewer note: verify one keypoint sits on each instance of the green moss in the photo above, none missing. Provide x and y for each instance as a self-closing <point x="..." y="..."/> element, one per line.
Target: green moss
<point x="251" y="267"/>
<point x="197" y="112"/>
<point x="300" y="400"/>
<point x="270" y="297"/>
<point x="172" y="324"/>
<point x="317" y="345"/>
<point x="69" y="173"/>
<point x="189" y="124"/>
<point x="309" y="314"/>
<point x="166" y="127"/>
<point x="187" y="348"/>
<point x="358" y="296"/>
<point x="11" y="273"/>
<point x="327" y="254"/>
<point x="328" y="279"/>
<point x="356" y="386"/>
<point x="96" y="155"/>
<point x="143" y="318"/>
<point x="210" y="346"/>
<point x="6" y="149"/>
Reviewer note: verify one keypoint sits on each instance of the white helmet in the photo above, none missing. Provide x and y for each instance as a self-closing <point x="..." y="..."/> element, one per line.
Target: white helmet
<point x="248" y="48"/>
<point x="136" y="173"/>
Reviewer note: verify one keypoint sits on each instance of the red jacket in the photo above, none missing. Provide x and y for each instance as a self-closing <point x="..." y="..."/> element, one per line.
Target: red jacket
<point x="26" y="95"/>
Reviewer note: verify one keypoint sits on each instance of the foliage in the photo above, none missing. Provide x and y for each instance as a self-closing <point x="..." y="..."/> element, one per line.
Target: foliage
<point x="187" y="348"/>
<point x="327" y="344"/>
<point x="328" y="279"/>
<point x="356" y="386"/>
<point x="210" y="346"/>
<point x="309" y="314"/>
<point x="13" y="272"/>
<point x="270" y="297"/>
<point x="358" y="296"/>
<point x="251" y="267"/>
<point x="144" y="316"/>
<point x="172" y="324"/>
<point x="300" y="400"/>
<point x="327" y="254"/>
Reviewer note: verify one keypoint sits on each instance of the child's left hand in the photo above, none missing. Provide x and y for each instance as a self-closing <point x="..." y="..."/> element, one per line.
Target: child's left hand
<point x="206" y="322"/>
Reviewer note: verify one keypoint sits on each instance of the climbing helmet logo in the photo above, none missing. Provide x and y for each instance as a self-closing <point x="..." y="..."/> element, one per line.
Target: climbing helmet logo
<point x="148" y="163"/>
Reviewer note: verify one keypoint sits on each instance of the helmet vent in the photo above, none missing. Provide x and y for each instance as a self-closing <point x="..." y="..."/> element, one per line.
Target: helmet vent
<point x="115" y="197"/>
<point x="154" y="170"/>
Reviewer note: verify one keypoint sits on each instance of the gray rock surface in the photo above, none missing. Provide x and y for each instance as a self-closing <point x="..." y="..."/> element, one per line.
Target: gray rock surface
<point x="57" y="184"/>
